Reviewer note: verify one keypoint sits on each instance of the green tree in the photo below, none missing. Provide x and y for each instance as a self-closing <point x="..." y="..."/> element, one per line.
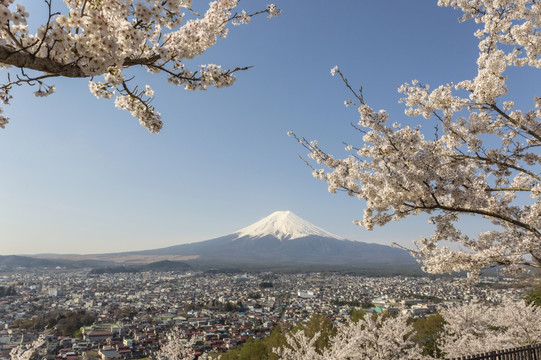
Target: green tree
<point x="254" y="350"/>
<point x="262" y="349"/>
<point x="276" y="339"/>
<point x="230" y="307"/>
<point x="7" y="291"/>
<point x="67" y="323"/>
<point x="533" y="296"/>
<point x="357" y="315"/>
<point x="318" y="323"/>
<point x="367" y="304"/>
<point x="427" y="331"/>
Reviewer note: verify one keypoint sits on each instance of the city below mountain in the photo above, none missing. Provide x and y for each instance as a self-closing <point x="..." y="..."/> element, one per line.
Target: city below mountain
<point x="280" y="241"/>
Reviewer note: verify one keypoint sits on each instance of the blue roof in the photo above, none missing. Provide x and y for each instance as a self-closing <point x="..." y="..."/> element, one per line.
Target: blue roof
<point x="110" y="352"/>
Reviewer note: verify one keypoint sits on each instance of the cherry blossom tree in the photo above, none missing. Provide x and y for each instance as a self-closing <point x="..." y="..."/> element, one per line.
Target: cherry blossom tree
<point x="300" y="347"/>
<point x="474" y="328"/>
<point x="482" y="161"/>
<point x="179" y="348"/>
<point x="469" y="329"/>
<point x="380" y="338"/>
<point x="26" y="352"/>
<point x="100" y="40"/>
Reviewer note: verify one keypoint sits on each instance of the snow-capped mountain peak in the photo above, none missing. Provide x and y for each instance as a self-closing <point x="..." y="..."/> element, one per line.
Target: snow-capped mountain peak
<point x="285" y="226"/>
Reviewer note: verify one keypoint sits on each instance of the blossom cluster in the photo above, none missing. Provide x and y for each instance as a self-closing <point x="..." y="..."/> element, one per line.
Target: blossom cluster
<point x="475" y="328"/>
<point x="376" y="338"/>
<point x="484" y="153"/>
<point x="179" y="348"/>
<point x="26" y="352"/>
<point x="99" y="38"/>
<point x="468" y="329"/>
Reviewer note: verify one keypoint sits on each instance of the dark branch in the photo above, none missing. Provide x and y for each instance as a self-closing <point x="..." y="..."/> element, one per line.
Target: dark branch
<point x="10" y="56"/>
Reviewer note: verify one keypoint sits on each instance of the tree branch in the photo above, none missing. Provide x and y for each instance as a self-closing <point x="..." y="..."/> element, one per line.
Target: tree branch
<point x="10" y="56"/>
<point x="458" y="209"/>
<point x="491" y="161"/>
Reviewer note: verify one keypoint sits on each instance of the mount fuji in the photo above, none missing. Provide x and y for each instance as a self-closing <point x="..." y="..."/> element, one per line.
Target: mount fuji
<point x="284" y="240"/>
<point x="284" y="225"/>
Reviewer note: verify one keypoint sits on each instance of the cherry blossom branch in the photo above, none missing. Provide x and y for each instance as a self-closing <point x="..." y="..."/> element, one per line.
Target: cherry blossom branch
<point x="516" y="123"/>
<point x="457" y="209"/>
<point x="495" y="162"/>
<point x="29" y="61"/>
<point x="96" y="39"/>
<point x="398" y="172"/>
<point x="509" y="189"/>
<point x="47" y="25"/>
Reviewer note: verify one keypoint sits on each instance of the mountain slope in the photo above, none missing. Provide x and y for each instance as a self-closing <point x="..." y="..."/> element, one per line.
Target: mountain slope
<point x="283" y="239"/>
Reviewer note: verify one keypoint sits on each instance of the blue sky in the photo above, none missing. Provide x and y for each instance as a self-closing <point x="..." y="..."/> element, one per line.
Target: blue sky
<point x="80" y="176"/>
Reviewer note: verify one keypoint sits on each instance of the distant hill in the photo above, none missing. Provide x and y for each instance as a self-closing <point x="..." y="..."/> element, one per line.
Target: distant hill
<point x="164" y="265"/>
<point x="13" y="262"/>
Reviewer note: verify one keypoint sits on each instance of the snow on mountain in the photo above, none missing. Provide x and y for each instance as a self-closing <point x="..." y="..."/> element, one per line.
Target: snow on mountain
<point x="283" y="225"/>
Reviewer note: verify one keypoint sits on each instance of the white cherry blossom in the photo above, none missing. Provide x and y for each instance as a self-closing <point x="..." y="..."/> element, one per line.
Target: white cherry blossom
<point x="102" y="39"/>
<point x="482" y="161"/>
<point x="380" y="338"/>
<point x="26" y="352"/>
<point x="178" y="347"/>
<point x="474" y="328"/>
<point x="469" y="329"/>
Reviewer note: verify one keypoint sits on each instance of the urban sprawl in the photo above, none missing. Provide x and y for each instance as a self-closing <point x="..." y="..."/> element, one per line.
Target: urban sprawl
<point x="133" y="313"/>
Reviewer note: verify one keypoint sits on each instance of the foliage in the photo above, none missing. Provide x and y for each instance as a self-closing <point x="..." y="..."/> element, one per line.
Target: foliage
<point x="258" y="349"/>
<point x="263" y="349"/>
<point x="125" y="312"/>
<point x="319" y="325"/>
<point x="67" y="323"/>
<point x="87" y="39"/>
<point x="533" y="296"/>
<point x="355" y="303"/>
<point x="253" y="350"/>
<point x="427" y="332"/>
<point x="229" y="307"/>
<point x="276" y="339"/>
<point x="483" y="159"/>
<point x="367" y="304"/>
<point x="7" y="291"/>
<point x="254" y="295"/>
<point x="356" y="315"/>
<point x="266" y="284"/>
